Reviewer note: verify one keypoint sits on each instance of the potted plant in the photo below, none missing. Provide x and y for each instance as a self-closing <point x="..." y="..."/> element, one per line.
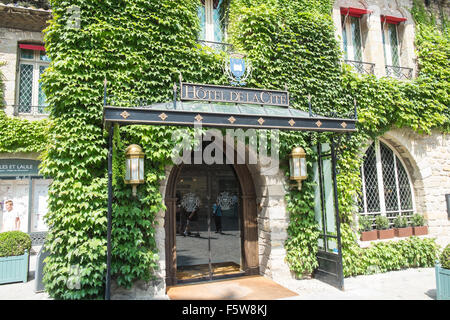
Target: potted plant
<point x="419" y="227"/>
<point x="365" y="226"/>
<point x="382" y="224"/>
<point x="14" y="256"/>
<point x="401" y="228"/>
<point x="443" y="275"/>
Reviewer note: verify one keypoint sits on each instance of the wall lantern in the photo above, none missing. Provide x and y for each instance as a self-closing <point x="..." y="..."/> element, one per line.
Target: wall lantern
<point x="134" y="166"/>
<point x="297" y="165"/>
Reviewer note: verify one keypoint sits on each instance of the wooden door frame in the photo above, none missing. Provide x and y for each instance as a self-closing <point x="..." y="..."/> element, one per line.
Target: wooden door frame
<point x="249" y="231"/>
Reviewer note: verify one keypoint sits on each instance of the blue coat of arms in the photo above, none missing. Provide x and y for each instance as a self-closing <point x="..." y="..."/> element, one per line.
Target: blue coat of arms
<point x="238" y="69"/>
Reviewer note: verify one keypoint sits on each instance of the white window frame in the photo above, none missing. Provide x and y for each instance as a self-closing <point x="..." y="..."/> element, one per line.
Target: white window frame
<point x="383" y="211"/>
<point x="209" y="20"/>
<point x="36" y="62"/>
<point x="347" y="28"/>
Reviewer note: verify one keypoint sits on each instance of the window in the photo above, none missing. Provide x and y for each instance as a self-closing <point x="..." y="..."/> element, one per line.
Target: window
<point x="352" y="38"/>
<point x="389" y="33"/>
<point x="386" y="187"/>
<point x="211" y="15"/>
<point x="392" y="51"/>
<point x="351" y="35"/>
<point x="32" y="64"/>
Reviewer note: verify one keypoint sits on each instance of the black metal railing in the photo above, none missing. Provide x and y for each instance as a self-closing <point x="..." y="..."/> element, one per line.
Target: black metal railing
<point x="362" y="67"/>
<point x="219" y="46"/>
<point x="399" y="72"/>
<point x="31" y="110"/>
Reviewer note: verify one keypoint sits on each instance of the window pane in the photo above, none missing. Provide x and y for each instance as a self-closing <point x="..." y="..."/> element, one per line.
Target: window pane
<point x="317" y="198"/>
<point x="202" y="18"/>
<point x="26" y="54"/>
<point x="384" y="44"/>
<point x="390" y="186"/>
<point x="41" y="94"/>
<point x="217" y="15"/>
<point x="344" y="38"/>
<point x="356" y="39"/>
<point x="404" y="187"/>
<point x="371" y="181"/>
<point x="25" y="88"/>
<point x="332" y="246"/>
<point x="392" y="30"/>
<point x="328" y="195"/>
<point x="43" y="56"/>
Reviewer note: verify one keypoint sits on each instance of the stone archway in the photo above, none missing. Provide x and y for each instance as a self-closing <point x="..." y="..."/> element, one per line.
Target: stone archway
<point x="249" y="229"/>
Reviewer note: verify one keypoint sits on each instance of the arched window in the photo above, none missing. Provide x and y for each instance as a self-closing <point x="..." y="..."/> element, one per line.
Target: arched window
<point x="386" y="187"/>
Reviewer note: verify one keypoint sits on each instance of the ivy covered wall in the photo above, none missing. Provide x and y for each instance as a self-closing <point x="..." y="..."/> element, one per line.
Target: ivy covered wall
<point x="140" y="47"/>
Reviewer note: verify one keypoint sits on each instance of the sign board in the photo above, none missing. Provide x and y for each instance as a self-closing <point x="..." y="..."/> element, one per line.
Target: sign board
<point x="213" y="93"/>
<point x="18" y="167"/>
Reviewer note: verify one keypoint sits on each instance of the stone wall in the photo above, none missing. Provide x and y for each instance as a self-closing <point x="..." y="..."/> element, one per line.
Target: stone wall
<point x="427" y="158"/>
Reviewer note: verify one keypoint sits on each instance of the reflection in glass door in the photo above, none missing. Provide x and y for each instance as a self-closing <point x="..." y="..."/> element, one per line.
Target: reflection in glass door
<point x="208" y="242"/>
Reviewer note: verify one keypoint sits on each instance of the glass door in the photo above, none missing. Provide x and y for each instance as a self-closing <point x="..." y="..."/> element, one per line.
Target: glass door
<point x="226" y="224"/>
<point x="208" y="241"/>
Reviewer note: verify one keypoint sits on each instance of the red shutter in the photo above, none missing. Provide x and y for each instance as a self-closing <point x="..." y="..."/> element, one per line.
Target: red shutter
<point x="31" y="47"/>
<point x="392" y="19"/>
<point x="354" y="12"/>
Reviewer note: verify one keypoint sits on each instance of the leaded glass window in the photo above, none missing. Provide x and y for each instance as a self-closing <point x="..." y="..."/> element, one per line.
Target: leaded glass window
<point x="386" y="187"/>
<point x="211" y="15"/>
<point x="389" y="34"/>
<point x="31" y="97"/>
<point x="351" y="35"/>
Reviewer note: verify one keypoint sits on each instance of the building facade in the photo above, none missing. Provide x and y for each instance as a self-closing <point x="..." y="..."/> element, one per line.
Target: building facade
<point x="24" y="61"/>
<point x="404" y="172"/>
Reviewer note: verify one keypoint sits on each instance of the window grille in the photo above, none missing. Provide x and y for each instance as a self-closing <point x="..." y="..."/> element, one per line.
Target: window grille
<point x="386" y="186"/>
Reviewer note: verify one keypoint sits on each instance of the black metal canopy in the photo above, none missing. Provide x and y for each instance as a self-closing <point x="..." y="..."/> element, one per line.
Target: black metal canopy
<point x="225" y="115"/>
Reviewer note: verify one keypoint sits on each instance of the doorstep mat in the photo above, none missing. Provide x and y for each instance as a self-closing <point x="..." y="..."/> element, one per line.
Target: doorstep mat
<point x="243" y="288"/>
<point x="202" y="270"/>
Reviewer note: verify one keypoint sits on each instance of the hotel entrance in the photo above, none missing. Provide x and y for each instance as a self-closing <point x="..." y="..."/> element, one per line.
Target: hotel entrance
<point x="208" y="223"/>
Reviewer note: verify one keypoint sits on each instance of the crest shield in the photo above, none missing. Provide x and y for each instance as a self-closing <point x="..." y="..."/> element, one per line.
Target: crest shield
<point x="237" y="67"/>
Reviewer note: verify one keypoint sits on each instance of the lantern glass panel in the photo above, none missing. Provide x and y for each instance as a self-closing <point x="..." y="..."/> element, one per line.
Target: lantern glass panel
<point x="303" y="166"/>
<point x="135" y="169"/>
<point x="141" y="168"/>
<point x="127" y="169"/>
<point x="291" y="167"/>
<point x="296" y="167"/>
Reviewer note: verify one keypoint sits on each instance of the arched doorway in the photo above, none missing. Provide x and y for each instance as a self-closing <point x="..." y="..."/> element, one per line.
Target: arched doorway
<point x="247" y="216"/>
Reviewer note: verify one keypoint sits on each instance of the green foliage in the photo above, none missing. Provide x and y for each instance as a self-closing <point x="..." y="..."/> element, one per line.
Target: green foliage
<point x="14" y="243"/>
<point x="302" y="231"/>
<point x="382" y="222"/>
<point x="22" y="135"/>
<point x="365" y="223"/>
<point x="417" y="220"/>
<point x="444" y="258"/>
<point x="400" y="222"/>
<point x="141" y="47"/>
<point x="396" y="255"/>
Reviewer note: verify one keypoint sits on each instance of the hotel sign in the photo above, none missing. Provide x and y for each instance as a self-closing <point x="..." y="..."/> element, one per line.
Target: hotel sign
<point x="19" y="167"/>
<point x="213" y="93"/>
